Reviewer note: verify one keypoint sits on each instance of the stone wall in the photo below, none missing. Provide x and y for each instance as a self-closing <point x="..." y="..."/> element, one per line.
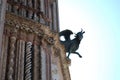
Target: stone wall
<point x="30" y="50"/>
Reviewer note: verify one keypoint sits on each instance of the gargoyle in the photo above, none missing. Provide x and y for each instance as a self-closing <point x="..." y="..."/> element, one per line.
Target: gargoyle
<point x="71" y="45"/>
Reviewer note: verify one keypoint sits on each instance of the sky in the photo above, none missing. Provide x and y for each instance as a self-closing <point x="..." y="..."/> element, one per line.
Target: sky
<point x="100" y="47"/>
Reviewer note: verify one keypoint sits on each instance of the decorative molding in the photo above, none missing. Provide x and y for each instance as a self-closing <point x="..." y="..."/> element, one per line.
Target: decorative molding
<point x="28" y="62"/>
<point x="11" y="58"/>
<point x="49" y="40"/>
<point x="29" y="26"/>
<point x="56" y="51"/>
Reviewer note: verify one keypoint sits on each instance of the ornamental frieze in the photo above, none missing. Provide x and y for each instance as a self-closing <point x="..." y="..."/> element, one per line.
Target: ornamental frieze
<point x="23" y="25"/>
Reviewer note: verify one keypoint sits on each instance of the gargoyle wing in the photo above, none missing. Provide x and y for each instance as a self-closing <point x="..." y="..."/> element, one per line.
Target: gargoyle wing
<point x="66" y="33"/>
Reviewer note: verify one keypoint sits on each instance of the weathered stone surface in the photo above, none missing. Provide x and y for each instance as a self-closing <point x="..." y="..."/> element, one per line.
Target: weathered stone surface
<point x="2" y="15"/>
<point x="45" y="55"/>
<point x="30" y="49"/>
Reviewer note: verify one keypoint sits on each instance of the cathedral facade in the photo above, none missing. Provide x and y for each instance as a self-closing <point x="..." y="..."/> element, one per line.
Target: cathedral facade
<point x="29" y="41"/>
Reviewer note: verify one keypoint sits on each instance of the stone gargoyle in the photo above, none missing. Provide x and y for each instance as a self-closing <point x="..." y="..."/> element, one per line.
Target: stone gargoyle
<point x="71" y="45"/>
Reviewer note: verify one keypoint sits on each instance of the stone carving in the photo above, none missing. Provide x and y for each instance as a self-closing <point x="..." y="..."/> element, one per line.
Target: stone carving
<point x="50" y="40"/>
<point x="43" y="33"/>
<point x="25" y="25"/>
<point x="28" y="61"/>
<point x="71" y="45"/>
<point x="11" y="58"/>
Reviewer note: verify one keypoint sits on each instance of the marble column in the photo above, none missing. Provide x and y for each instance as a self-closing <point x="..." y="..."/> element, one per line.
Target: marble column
<point x="42" y="8"/>
<point x="15" y="9"/>
<point x="37" y="63"/>
<point x="30" y="13"/>
<point x="43" y="65"/>
<point x="35" y="17"/>
<point x="11" y="58"/>
<point x="4" y="56"/>
<point x="19" y="67"/>
<point x="2" y="16"/>
<point x="28" y="61"/>
<point x="23" y="11"/>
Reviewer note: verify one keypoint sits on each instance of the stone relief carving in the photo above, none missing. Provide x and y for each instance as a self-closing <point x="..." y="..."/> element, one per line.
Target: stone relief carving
<point x="30" y="27"/>
<point x="11" y="58"/>
<point x="28" y="65"/>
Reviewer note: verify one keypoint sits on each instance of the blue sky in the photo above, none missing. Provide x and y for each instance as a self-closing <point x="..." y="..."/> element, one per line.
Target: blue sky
<point x="100" y="46"/>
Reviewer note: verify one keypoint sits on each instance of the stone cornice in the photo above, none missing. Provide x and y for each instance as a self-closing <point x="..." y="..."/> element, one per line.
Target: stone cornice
<point x="15" y="22"/>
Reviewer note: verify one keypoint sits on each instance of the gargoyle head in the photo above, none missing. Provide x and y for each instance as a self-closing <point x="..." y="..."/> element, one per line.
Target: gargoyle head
<point x="79" y="35"/>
